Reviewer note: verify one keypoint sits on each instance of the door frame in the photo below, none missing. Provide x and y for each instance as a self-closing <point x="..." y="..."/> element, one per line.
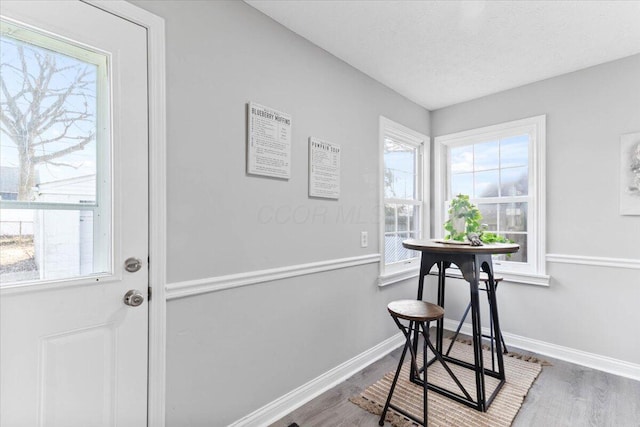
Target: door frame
<point x="157" y="198"/>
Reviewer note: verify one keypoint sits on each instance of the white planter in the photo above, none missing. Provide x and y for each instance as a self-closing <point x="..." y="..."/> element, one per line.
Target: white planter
<point x="459" y="225"/>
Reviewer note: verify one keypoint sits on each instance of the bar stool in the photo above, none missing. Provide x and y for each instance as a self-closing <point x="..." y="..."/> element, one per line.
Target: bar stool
<point x="419" y="314"/>
<point x="484" y="278"/>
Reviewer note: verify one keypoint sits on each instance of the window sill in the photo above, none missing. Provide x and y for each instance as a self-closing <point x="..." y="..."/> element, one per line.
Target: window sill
<point x="525" y="278"/>
<point x="392" y="277"/>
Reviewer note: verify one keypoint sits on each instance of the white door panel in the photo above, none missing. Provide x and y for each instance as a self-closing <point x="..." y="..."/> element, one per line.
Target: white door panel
<point x="71" y="352"/>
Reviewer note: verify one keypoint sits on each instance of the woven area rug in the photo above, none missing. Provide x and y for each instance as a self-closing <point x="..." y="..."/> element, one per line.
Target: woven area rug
<point x="520" y="371"/>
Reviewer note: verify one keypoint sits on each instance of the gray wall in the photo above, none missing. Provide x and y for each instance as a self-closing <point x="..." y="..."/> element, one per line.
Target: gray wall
<point x="233" y="351"/>
<point x="589" y="308"/>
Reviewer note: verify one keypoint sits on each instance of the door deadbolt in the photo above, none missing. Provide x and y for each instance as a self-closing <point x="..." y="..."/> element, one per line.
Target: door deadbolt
<point x="132" y="265"/>
<point x="133" y="298"/>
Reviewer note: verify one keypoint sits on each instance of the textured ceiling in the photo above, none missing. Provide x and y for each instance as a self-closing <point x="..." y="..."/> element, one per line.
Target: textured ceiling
<point x="439" y="53"/>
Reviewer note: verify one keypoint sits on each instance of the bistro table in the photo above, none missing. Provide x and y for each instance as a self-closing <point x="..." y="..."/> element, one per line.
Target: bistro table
<point x="470" y="260"/>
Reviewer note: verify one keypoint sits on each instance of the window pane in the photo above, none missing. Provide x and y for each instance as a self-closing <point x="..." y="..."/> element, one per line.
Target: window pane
<point x="403" y="219"/>
<point x="489" y="215"/>
<point x="407" y="218"/>
<point x="514" y="182"/>
<point x="486" y="156"/>
<point x="461" y="159"/>
<point x="414" y="219"/>
<point x="486" y="184"/>
<point x="55" y="113"/>
<point x="399" y="170"/>
<point x="389" y="217"/>
<point x="47" y="245"/>
<point x="393" y="249"/>
<point x="513" y="217"/>
<point x="461" y="184"/>
<point x="52" y="118"/>
<point x="521" y="255"/>
<point x="411" y="253"/>
<point x="514" y="151"/>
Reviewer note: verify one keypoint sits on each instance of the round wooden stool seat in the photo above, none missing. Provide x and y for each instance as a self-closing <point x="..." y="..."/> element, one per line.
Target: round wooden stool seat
<point x="419" y="314"/>
<point x="415" y="310"/>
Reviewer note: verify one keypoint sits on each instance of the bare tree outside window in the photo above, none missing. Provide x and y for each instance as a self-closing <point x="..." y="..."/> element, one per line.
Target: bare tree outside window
<point x="48" y="105"/>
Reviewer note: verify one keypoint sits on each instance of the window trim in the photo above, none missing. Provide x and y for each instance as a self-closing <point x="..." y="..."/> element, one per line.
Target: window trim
<point x="391" y="273"/>
<point x="535" y="270"/>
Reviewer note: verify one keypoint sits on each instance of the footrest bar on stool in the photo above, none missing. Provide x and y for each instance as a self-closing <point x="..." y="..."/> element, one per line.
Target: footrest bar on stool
<point x="450" y="394"/>
<point x="471" y="366"/>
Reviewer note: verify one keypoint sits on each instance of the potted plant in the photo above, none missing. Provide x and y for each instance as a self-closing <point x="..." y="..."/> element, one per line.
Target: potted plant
<point x="465" y="223"/>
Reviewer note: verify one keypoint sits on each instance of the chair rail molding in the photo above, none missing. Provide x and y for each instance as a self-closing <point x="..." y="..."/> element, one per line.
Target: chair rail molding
<point x="220" y="283"/>
<point x="631" y="263"/>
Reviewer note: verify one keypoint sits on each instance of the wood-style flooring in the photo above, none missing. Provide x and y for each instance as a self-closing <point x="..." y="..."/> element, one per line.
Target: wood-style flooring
<point x="563" y="395"/>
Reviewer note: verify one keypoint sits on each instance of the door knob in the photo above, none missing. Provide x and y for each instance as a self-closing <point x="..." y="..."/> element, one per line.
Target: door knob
<point x="133" y="298"/>
<point x="132" y="265"/>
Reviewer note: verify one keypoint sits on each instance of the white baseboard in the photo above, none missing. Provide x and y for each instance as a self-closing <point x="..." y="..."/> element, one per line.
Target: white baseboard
<point x="306" y="392"/>
<point x="579" y="357"/>
<point x="280" y="407"/>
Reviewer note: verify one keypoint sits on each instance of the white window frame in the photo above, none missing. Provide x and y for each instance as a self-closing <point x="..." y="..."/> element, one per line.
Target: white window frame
<point x="395" y="272"/>
<point x="534" y="271"/>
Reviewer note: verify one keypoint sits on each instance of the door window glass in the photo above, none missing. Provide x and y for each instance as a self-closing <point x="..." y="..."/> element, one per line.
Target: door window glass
<point x="55" y="201"/>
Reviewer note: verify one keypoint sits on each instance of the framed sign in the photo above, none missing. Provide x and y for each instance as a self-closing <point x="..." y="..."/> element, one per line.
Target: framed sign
<point x="324" y="169"/>
<point x="268" y="142"/>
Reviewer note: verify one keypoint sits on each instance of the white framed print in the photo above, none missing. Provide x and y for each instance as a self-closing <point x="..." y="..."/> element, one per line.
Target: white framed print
<point x="630" y="174"/>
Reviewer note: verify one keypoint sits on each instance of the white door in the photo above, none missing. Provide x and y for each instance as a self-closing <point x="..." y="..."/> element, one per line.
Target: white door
<point x="73" y="208"/>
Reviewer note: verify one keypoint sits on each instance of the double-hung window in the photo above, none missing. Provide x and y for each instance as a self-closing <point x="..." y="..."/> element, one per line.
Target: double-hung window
<point x="501" y="169"/>
<point x="403" y="195"/>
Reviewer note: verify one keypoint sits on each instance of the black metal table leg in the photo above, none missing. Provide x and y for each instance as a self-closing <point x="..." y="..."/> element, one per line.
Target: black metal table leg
<point x="493" y="307"/>
<point x="470" y="266"/>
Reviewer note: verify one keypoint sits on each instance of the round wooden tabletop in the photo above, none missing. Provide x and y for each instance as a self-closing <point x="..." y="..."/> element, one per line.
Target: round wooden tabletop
<point x="435" y="245"/>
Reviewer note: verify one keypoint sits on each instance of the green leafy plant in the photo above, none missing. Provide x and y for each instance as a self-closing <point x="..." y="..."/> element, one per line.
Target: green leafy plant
<point x="465" y="218"/>
<point x="488" y="237"/>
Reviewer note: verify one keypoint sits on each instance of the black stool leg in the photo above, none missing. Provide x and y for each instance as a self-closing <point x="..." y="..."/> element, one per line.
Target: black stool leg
<point x="504" y="346"/>
<point x="425" y="332"/>
<point x="407" y="345"/>
<point x="446" y="367"/>
<point x="491" y="336"/>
